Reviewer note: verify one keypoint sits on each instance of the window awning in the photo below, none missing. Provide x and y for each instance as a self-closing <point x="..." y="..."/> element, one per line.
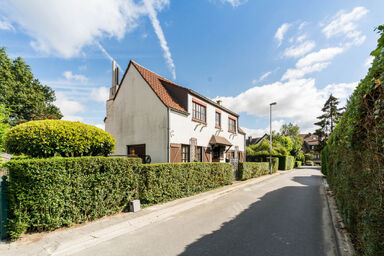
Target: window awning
<point x="218" y="140"/>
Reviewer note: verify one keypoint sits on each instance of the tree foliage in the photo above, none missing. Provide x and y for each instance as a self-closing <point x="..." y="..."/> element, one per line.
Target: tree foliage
<point x="328" y="120"/>
<point x="3" y="124"/>
<point x="22" y="94"/>
<point x="354" y="159"/>
<point x="293" y="132"/>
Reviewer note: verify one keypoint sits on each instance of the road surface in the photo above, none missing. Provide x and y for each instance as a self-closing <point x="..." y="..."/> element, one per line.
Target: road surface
<point x="284" y="215"/>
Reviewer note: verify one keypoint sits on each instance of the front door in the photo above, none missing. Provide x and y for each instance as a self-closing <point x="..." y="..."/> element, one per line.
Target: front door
<point x="218" y="153"/>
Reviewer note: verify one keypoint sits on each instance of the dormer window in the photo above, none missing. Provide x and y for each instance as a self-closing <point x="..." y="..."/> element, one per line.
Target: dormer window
<point x="199" y="111"/>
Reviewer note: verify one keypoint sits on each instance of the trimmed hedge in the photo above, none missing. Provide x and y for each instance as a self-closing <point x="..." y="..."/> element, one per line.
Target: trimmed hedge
<point x="298" y="164"/>
<point x="286" y="162"/>
<point x="164" y="182"/>
<point x="48" y="138"/>
<point x="45" y="194"/>
<point x="249" y="170"/>
<point x="354" y="159"/>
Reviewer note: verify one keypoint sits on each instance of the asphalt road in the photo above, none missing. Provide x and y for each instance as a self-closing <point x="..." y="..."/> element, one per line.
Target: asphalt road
<point x="284" y="215"/>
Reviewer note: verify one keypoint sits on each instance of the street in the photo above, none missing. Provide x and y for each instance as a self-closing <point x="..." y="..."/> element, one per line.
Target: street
<point x="284" y="215"/>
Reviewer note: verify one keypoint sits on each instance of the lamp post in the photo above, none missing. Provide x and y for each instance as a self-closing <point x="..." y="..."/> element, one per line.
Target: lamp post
<point x="270" y="136"/>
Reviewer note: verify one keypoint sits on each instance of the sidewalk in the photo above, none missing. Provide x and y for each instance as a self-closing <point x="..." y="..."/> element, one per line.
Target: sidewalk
<point x="66" y="241"/>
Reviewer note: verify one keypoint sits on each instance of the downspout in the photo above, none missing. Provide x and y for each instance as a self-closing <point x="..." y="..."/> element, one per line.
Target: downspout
<point x="168" y="131"/>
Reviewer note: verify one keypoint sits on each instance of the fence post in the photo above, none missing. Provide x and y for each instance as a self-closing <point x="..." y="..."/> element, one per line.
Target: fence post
<point x="3" y="207"/>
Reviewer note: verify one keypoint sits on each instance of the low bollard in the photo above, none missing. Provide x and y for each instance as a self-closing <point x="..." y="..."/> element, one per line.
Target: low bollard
<point x="3" y="207"/>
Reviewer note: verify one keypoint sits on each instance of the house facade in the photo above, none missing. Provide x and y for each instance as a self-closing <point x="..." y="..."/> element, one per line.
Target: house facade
<point x="150" y="115"/>
<point x="310" y="143"/>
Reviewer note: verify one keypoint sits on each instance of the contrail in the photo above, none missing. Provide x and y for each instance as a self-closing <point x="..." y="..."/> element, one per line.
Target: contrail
<point x="109" y="56"/>
<point x="160" y="35"/>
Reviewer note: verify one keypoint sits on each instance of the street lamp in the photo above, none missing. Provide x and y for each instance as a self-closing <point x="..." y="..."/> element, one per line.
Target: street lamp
<point x="270" y="136"/>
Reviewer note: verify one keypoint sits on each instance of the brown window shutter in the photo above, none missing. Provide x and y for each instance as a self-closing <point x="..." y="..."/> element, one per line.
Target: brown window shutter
<point x="207" y="155"/>
<point x="175" y="153"/>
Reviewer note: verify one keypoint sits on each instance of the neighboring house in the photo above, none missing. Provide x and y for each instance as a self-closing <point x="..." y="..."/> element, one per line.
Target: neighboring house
<point x="255" y="141"/>
<point x="310" y="142"/>
<point x="150" y="115"/>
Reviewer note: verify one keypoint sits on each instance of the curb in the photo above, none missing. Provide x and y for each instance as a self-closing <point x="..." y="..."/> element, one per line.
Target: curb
<point x="344" y="246"/>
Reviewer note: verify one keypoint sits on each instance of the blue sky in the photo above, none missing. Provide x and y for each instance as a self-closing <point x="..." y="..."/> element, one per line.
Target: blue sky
<point x="247" y="53"/>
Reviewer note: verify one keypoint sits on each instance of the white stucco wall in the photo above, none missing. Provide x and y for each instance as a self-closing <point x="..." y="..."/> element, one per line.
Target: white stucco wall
<point x="182" y="128"/>
<point x="137" y="116"/>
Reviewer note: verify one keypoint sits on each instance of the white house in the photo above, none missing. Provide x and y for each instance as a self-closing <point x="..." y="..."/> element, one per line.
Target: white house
<point x="150" y="115"/>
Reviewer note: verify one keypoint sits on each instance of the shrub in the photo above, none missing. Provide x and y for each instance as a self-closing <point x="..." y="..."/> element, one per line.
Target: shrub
<point x="45" y="194"/>
<point x="248" y="170"/>
<point x="286" y="162"/>
<point x="48" y="138"/>
<point x="354" y="158"/>
<point x="324" y="160"/>
<point x="164" y="182"/>
<point x="298" y="164"/>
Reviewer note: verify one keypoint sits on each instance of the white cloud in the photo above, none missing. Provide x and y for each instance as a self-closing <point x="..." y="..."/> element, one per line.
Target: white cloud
<point x="301" y="38"/>
<point x="149" y="4"/>
<point x="72" y="77"/>
<point x="101" y="126"/>
<point x="69" y="107"/>
<point x="368" y="61"/>
<point x="5" y="25"/>
<point x="302" y="25"/>
<point x="345" y="24"/>
<point x="299" y="50"/>
<point x="279" y="35"/>
<point x="235" y="3"/>
<point x="100" y="94"/>
<point x="276" y="125"/>
<point x="64" y="28"/>
<point x="319" y="56"/>
<point x="313" y="62"/>
<point x="297" y="100"/>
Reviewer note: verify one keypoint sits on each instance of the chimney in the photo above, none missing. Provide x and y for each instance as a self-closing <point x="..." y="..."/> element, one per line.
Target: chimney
<point x="219" y="102"/>
<point x="115" y="80"/>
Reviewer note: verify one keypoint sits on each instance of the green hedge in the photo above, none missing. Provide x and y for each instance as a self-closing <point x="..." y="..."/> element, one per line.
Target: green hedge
<point x="324" y="155"/>
<point x="47" y="138"/>
<point x="286" y="162"/>
<point x="298" y="164"/>
<point x="249" y="170"/>
<point x="45" y="194"/>
<point x="164" y="182"/>
<point x="354" y="159"/>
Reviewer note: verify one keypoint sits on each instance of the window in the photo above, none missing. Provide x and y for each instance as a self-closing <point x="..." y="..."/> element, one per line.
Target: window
<point x="198" y="112"/>
<point x="218" y="120"/>
<point x="184" y="153"/>
<point x="231" y="125"/>
<point x="199" y="154"/>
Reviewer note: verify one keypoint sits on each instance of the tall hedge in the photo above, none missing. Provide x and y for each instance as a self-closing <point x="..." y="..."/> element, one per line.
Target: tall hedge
<point x="45" y="194"/>
<point x="249" y="170"/>
<point x="164" y="182"/>
<point x="47" y="138"/>
<point x="355" y="159"/>
<point x="286" y="162"/>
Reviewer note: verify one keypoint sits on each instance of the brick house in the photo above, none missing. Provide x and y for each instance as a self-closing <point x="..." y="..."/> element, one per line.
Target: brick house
<point x="151" y="115"/>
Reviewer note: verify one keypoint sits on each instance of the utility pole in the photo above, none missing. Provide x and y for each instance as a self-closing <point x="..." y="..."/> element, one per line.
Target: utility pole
<point x="270" y="136"/>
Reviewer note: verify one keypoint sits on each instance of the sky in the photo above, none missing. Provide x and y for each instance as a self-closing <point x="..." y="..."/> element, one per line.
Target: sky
<point x="246" y="53"/>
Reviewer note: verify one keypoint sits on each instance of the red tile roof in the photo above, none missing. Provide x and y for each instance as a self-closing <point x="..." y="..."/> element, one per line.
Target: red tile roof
<point x="154" y="81"/>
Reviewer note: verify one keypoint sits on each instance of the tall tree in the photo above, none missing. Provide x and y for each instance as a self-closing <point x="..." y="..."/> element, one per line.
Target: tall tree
<point x="22" y="94"/>
<point x="328" y="120"/>
<point x="293" y="131"/>
<point x="3" y="124"/>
